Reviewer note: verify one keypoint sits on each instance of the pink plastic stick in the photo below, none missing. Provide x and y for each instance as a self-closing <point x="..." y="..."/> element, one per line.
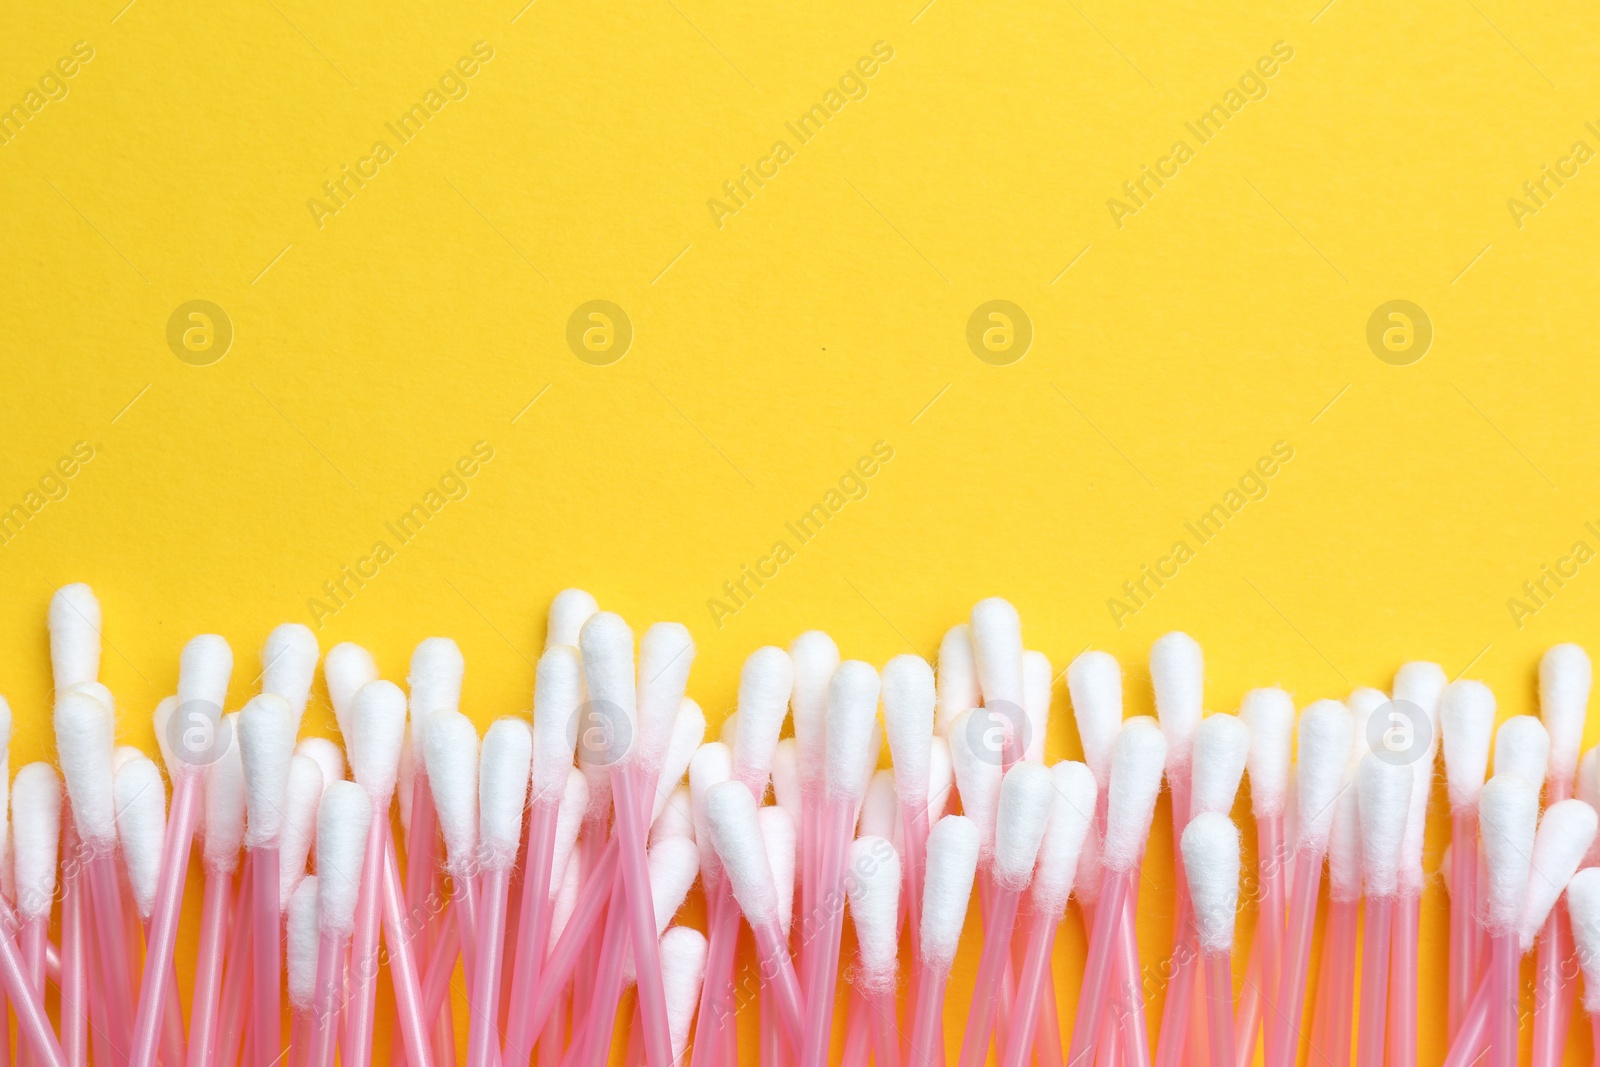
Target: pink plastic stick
<point x="299" y="1038"/>
<point x="533" y="930"/>
<point x="1463" y="897"/>
<point x="1031" y="1006"/>
<point x="772" y="1043"/>
<point x="208" y="970"/>
<point x="266" y="952"/>
<point x="1594" y="1036"/>
<point x="927" y="1028"/>
<point x="484" y="1033"/>
<point x="114" y="994"/>
<point x="716" y="998"/>
<point x="1403" y="981"/>
<point x="1098" y="968"/>
<point x="164" y="917"/>
<point x="592" y="1041"/>
<point x="361" y="1008"/>
<point x="74" y="961"/>
<point x="1551" y="1001"/>
<point x="1503" y="1000"/>
<point x="403" y="961"/>
<point x="777" y="973"/>
<point x="1376" y="935"/>
<point x="998" y="925"/>
<point x="811" y="816"/>
<point x="885" y="1032"/>
<point x="914" y="820"/>
<point x="32" y="1022"/>
<point x="1336" y="987"/>
<point x="1285" y="1045"/>
<point x="553" y="1038"/>
<point x="236" y="976"/>
<point x="630" y="796"/>
<point x="1131" y="988"/>
<point x="1047" y="1039"/>
<point x="1180" y="1000"/>
<point x="1219" y="1003"/>
<point x="592" y="899"/>
<point x="436" y="983"/>
<point x="1472" y="1040"/>
<point x="833" y="846"/>
<point x="1272" y="870"/>
<point x="325" y="1000"/>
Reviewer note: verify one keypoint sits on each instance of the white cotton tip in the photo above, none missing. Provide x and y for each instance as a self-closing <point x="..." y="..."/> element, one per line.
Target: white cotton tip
<point x="736" y="835"/>
<point x="326" y="754"/>
<point x="141" y="828"/>
<point x="347" y="668"/>
<point x="299" y="824"/>
<point x="688" y="731"/>
<point x="780" y="833"/>
<point x="997" y="651"/>
<point x="869" y="758"/>
<point x="1466" y="726"/>
<point x="1384" y="791"/>
<point x="569" y="822"/>
<point x="606" y="644"/>
<point x="1589" y="792"/>
<point x="1566" y="831"/>
<point x="683" y="968"/>
<point x="405" y="782"/>
<point x="289" y="666"/>
<point x="874" y="891"/>
<point x="435" y="683"/>
<point x="880" y="808"/>
<point x="1177" y="672"/>
<point x="224" y="818"/>
<point x="503" y="790"/>
<point x="452" y="758"/>
<point x="377" y="734"/>
<point x="557" y="695"/>
<point x="676" y="818"/>
<point x="1037" y="680"/>
<point x="728" y="731"/>
<point x="563" y="902"/>
<point x="1136" y="765"/>
<point x="1564" y="680"/>
<point x="852" y="713"/>
<point x="570" y="609"/>
<point x="952" y="861"/>
<point x="123" y="754"/>
<point x="1220" y="749"/>
<point x="1324" y="741"/>
<point x="712" y="765"/>
<point x="1020" y="822"/>
<point x="74" y="622"/>
<point x="1363" y="704"/>
<point x="1522" y="747"/>
<point x="815" y="658"/>
<point x="673" y="865"/>
<point x="204" y="668"/>
<point x="941" y="779"/>
<point x="909" y="703"/>
<point x="977" y="776"/>
<point x="266" y="744"/>
<point x="1508" y="812"/>
<point x="765" y="685"/>
<point x="342" y="824"/>
<point x="1094" y="682"/>
<point x="99" y="692"/>
<point x="1422" y="684"/>
<point x="786" y="778"/>
<point x="1583" y="904"/>
<point x="300" y="943"/>
<point x="957" y="684"/>
<point x="36" y="812"/>
<point x="666" y="652"/>
<point x="1344" y="847"/>
<point x="84" y="740"/>
<point x="1072" y="803"/>
<point x="1270" y="715"/>
<point x="1210" y="847"/>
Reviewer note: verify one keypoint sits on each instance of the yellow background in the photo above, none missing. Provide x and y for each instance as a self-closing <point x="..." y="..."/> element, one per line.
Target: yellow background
<point x="829" y="313"/>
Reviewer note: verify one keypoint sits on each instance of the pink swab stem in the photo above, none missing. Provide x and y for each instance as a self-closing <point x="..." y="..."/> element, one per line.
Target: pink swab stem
<point x="32" y="1022"/>
<point x="74" y="961"/>
<point x="483" y="1034"/>
<point x="403" y="961"/>
<point x="592" y="900"/>
<point x="593" y="1040"/>
<point x="1047" y="1039"/>
<point x="325" y="1000"/>
<point x="172" y="1039"/>
<point x="772" y="1043"/>
<point x="436" y="983"/>
<point x="885" y="1034"/>
<point x="299" y="1038"/>
<point x="1403" y="981"/>
<point x="999" y="922"/>
<point x="1285" y="1046"/>
<point x="632" y="799"/>
<point x="1262" y="995"/>
<point x="266" y="950"/>
<point x="1551" y="1001"/>
<point x="236" y="976"/>
<point x="553" y="1038"/>
<point x="914" y="820"/>
<point x="1180" y="1000"/>
<point x="114" y="995"/>
<point x="811" y="820"/>
<point x="208" y="970"/>
<point x="1031" y="1006"/>
<point x="164" y="917"/>
<point x="716" y="997"/>
<point x="1503" y="1000"/>
<point x="1219" y="1004"/>
<point x="361" y="1009"/>
<point x="833" y="844"/>
<point x="1463" y="899"/>
<point x="777" y="973"/>
<point x="927" y="1029"/>
<point x="533" y="930"/>
<point x="1472" y="1040"/>
<point x="1594" y="1037"/>
<point x="1098" y="968"/>
<point x="1336" y="987"/>
<point x="1376" y="935"/>
<point x="1129" y="976"/>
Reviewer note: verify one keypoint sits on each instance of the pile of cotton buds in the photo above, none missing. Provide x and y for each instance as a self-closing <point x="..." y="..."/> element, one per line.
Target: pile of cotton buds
<point x="549" y="860"/>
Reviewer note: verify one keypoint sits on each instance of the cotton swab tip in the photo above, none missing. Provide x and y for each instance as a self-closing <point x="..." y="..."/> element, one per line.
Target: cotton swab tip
<point x="437" y="668"/>
<point x="874" y="891"/>
<point x="1020" y="823"/>
<point x="36" y="826"/>
<point x="1564" y="680"/>
<point x="224" y="820"/>
<point x="1421" y="683"/>
<point x="952" y="862"/>
<point x="74" y="622"/>
<point x="909" y="704"/>
<point x="1136" y="765"/>
<point x="997" y="651"/>
<point x="1038" y="679"/>
<point x="204" y="669"/>
<point x="712" y="765"/>
<point x="815" y="658"/>
<point x="688" y="731"/>
<point x="766" y="683"/>
<point x="302" y="796"/>
<point x="266" y="745"/>
<point x="956" y="681"/>
<point x="1565" y="833"/>
<point x="342" y="823"/>
<point x="608" y="671"/>
<point x="569" y="822"/>
<point x="569" y="610"/>
<point x="1583" y="904"/>
<point x="683" y="968"/>
<point x="1177" y="672"/>
<point x="975" y="756"/>
<point x="676" y="818"/>
<point x="1508" y="811"/>
<point x="1324" y="744"/>
<point x="673" y="864"/>
<point x="84" y="740"/>
<point x="780" y="834"/>
<point x="736" y="835"/>
<point x="301" y="945"/>
<point x="326" y="755"/>
<point x="452" y="756"/>
<point x="1522" y="748"/>
<point x="1270" y="715"/>
<point x="377" y="734"/>
<point x="1072" y="806"/>
<point x="289" y="665"/>
<point x="666" y="652"/>
<point x="1466" y="726"/>
<point x="141" y="827"/>
<point x="1220" y="749"/>
<point x="346" y="668"/>
<point x="1210" y="847"/>
<point x="1094" y="683"/>
<point x="503" y="790"/>
<point x="880" y="808"/>
<point x="852" y="713"/>
<point x="1384" y="792"/>
<point x="558" y="691"/>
